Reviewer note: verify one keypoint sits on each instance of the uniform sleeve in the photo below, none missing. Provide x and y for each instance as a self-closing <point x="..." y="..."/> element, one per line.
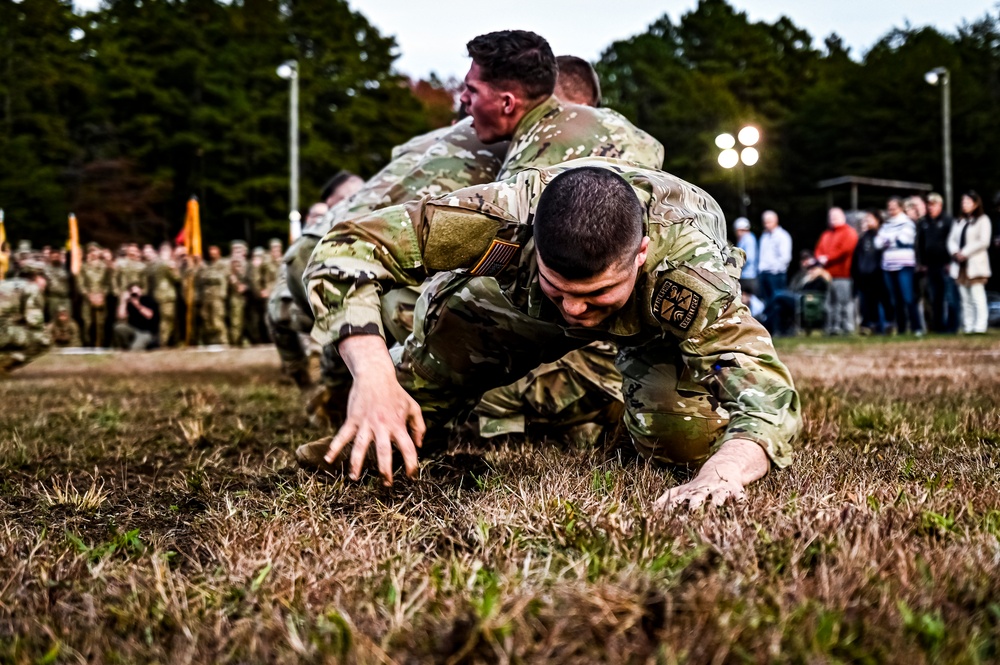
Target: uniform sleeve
<point x="729" y="352"/>
<point x="359" y="260"/>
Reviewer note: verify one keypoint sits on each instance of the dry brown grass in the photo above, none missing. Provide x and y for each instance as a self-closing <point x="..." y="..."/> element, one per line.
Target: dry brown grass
<point x="151" y="511"/>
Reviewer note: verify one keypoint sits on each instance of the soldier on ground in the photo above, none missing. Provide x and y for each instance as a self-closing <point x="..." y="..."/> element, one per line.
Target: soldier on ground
<point x="63" y="330"/>
<point x="23" y="336"/>
<point x="592" y="249"/>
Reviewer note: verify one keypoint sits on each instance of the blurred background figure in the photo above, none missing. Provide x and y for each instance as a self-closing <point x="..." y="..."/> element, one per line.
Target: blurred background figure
<point x="834" y="252"/>
<point x="933" y="231"/>
<point x="969" y="244"/>
<point x="874" y="303"/>
<point x="775" y="255"/>
<point x="138" y="329"/>
<point x="747" y="241"/>
<point x="897" y="239"/>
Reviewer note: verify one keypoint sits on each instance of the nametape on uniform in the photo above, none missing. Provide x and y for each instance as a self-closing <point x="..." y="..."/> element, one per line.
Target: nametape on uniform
<point x="496" y="258"/>
<point x="676" y="305"/>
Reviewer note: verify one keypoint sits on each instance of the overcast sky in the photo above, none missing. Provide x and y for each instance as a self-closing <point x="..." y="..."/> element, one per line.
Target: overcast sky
<point x="432" y="33"/>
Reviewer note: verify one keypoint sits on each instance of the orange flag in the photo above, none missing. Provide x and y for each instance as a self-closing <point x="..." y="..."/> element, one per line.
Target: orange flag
<point x="75" y="255"/>
<point x="192" y="228"/>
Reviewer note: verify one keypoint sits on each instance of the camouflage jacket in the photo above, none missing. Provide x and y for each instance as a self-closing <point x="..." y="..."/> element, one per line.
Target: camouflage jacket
<point x="58" y="279"/>
<point x="432" y="164"/>
<point x="128" y="272"/>
<point x="22" y="303"/>
<point x="212" y="280"/>
<point x="65" y="333"/>
<point x="94" y="278"/>
<point x="555" y="132"/>
<point x="164" y="278"/>
<point x="687" y="293"/>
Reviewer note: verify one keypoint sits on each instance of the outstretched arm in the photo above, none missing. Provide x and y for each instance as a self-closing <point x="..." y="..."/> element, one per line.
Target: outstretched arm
<point x="724" y="476"/>
<point x="379" y="411"/>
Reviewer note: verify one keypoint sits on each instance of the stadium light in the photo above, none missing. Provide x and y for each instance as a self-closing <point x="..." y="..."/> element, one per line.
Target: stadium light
<point x="942" y="76"/>
<point x="746" y="155"/>
<point x="289" y="71"/>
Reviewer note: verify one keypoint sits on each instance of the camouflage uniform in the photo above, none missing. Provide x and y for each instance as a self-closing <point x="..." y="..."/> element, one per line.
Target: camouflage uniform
<point x="64" y="333"/>
<point x="23" y="336"/>
<point x="128" y="271"/>
<point x="57" y="290"/>
<point x="697" y="369"/>
<point x="164" y="278"/>
<point x="582" y="387"/>
<point x="93" y="283"/>
<point x="432" y="164"/>
<point x="212" y="283"/>
<point x="239" y="288"/>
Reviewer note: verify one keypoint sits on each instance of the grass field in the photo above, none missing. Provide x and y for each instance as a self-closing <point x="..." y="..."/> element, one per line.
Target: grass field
<point x="151" y="511"/>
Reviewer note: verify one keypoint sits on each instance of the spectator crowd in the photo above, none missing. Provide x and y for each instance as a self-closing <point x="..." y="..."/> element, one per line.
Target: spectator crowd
<point x="139" y="298"/>
<point x="910" y="268"/>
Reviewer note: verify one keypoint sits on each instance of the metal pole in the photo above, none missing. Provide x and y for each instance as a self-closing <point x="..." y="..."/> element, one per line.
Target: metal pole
<point x="854" y="196"/>
<point x="946" y="112"/>
<point x="743" y="192"/>
<point x="293" y="140"/>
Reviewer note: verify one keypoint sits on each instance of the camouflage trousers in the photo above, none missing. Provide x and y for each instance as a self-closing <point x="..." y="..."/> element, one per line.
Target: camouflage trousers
<point x="469" y="339"/>
<point x="19" y="345"/>
<point x="237" y="308"/>
<point x="168" y="321"/>
<point x="213" y="321"/>
<point x="93" y="319"/>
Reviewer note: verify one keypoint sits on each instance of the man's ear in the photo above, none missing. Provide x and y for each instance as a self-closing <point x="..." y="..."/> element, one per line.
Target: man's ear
<point x="640" y="258"/>
<point x="508" y="103"/>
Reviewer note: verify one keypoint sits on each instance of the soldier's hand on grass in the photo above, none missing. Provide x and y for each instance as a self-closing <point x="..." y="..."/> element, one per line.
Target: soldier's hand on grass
<point x="723" y="477"/>
<point x="379" y="411"/>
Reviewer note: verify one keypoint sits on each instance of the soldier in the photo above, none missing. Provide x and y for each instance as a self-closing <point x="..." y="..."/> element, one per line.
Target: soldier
<point x="237" y="298"/>
<point x="63" y="331"/>
<point x="212" y="282"/>
<point x="57" y="293"/>
<point x="93" y="283"/>
<point x="128" y="270"/>
<point x="164" y="278"/>
<point x="434" y="163"/>
<point x="577" y="82"/>
<point x="22" y="317"/>
<point x="594" y="249"/>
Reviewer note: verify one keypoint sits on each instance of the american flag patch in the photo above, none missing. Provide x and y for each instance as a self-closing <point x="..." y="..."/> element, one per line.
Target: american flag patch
<point x="495" y="259"/>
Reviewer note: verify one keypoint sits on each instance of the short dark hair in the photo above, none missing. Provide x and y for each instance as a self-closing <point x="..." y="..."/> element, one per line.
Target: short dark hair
<point x="576" y="76"/>
<point x="516" y="57"/>
<point x="587" y="219"/>
<point x="333" y="183"/>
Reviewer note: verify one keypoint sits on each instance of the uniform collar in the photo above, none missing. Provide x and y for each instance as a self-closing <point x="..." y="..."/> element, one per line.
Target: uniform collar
<point x="534" y="116"/>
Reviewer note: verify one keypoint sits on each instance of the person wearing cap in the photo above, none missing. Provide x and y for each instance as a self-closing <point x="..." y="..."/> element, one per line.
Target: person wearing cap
<point x="23" y="336"/>
<point x="57" y="291"/>
<point x="239" y="289"/>
<point x="934" y="260"/>
<point x="93" y="283"/>
<point x="212" y="284"/>
<point x="747" y="241"/>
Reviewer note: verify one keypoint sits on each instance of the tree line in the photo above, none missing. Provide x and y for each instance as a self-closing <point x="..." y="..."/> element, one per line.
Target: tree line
<point x="121" y="114"/>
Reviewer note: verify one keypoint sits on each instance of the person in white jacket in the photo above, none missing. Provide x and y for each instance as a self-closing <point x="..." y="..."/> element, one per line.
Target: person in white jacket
<point x="968" y="244"/>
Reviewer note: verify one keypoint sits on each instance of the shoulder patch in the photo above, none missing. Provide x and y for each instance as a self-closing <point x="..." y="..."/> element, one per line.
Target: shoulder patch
<point x="496" y="258"/>
<point x="676" y="304"/>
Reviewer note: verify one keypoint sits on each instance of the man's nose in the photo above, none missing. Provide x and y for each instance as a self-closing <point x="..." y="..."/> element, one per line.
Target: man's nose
<point x="574" y="306"/>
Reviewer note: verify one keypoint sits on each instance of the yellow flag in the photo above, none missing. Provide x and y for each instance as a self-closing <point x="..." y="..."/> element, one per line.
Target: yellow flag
<point x="192" y="228"/>
<point x="75" y="255"/>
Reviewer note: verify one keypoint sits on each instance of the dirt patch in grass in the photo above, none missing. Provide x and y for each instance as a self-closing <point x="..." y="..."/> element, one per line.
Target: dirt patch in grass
<point x="151" y="511"/>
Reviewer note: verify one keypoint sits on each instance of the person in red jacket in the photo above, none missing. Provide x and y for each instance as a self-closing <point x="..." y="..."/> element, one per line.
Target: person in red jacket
<point x="834" y="252"/>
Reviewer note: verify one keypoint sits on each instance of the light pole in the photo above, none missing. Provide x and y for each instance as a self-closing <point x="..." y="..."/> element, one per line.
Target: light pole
<point x="290" y="72"/>
<point x="940" y="74"/>
<point x="748" y="155"/>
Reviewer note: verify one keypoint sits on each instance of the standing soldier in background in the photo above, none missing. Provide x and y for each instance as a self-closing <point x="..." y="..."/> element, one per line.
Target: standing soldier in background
<point x="256" y="302"/>
<point x="92" y="284"/>
<point x="212" y="285"/>
<point x="63" y="330"/>
<point x="164" y="277"/>
<point x="22" y="316"/>
<point x="57" y="293"/>
<point x="237" y="298"/>
<point x="128" y="270"/>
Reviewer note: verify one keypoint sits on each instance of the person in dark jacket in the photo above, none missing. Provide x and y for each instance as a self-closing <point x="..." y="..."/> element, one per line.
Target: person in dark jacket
<point x="932" y="253"/>
<point x="866" y="269"/>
